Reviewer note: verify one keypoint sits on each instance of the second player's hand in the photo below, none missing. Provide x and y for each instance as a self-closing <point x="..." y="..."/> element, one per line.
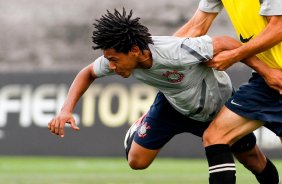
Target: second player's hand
<point x="57" y="124"/>
<point x="274" y="79"/>
<point x="221" y="61"/>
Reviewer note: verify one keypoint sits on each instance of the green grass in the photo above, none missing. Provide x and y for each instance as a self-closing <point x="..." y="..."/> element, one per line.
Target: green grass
<point x="66" y="170"/>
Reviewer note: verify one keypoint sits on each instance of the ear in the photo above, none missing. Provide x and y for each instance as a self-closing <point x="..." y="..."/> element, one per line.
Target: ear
<point x="135" y="50"/>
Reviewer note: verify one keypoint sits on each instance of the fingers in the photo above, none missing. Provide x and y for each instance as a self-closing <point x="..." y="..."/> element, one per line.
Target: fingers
<point x="214" y="65"/>
<point x="209" y="63"/>
<point x="51" y="126"/>
<point x="54" y="127"/>
<point x="218" y="64"/>
<point x="57" y="126"/>
<point x="61" y="129"/>
<point x="274" y="81"/>
<point x="278" y="88"/>
<point x="73" y="125"/>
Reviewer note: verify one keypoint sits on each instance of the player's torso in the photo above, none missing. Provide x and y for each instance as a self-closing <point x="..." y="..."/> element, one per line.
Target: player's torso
<point x="173" y="68"/>
<point x="188" y="88"/>
<point x="249" y="24"/>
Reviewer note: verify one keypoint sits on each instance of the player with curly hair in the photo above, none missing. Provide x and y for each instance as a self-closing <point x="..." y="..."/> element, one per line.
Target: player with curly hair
<point x="190" y="93"/>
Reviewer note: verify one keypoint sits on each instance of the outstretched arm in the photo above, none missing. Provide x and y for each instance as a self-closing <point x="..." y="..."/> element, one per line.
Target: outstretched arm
<point x="80" y="84"/>
<point x="273" y="77"/>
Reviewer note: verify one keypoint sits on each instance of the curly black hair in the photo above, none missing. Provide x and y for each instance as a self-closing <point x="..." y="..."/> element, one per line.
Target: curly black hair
<point x="120" y="32"/>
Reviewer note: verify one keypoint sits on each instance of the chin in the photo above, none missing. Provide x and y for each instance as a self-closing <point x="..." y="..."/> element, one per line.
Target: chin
<point x="125" y="76"/>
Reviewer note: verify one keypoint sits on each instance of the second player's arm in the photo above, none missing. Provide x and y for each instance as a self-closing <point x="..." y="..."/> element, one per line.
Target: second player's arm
<point x="270" y="36"/>
<point x="273" y="77"/>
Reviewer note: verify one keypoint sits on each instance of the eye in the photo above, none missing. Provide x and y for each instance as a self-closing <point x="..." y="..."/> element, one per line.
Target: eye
<point x="114" y="60"/>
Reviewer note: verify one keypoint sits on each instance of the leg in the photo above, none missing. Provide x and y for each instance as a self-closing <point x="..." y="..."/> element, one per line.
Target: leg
<point x="150" y="133"/>
<point x="140" y="157"/>
<point x="255" y="161"/>
<point x="226" y="129"/>
<point x="248" y="153"/>
<point x="254" y="100"/>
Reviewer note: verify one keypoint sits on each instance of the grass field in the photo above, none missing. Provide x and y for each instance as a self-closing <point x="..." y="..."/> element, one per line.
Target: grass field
<point x="65" y="170"/>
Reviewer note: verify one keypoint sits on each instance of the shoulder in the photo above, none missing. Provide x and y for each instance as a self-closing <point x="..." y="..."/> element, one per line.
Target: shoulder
<point x="163" y="40"/>
<point x="166" y="44"/>
<point x="101" y="66"/>
<point x="165" y="48"/>
<point x="170" y="48"/>
<point x="170" y="42"/>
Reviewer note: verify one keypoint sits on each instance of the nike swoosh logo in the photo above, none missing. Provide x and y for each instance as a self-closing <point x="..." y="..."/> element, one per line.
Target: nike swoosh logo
<point x="245" y="40"/>
<point x="234" y="103"/>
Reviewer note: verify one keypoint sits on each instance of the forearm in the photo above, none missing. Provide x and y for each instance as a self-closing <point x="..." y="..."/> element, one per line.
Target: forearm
<point x="256" y="64"/>
<point x="270" y="36"/>
<point x="226" y="43"/>
<point x="80" y="84"/>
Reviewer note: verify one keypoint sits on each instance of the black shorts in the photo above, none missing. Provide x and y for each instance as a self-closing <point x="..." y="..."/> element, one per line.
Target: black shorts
<point x="257" y="101"/>
<point x="163" y="122"/>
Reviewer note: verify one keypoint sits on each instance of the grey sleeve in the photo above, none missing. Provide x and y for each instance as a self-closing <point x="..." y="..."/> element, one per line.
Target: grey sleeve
<point x="210" y="6"/>
<point x="199" y="48"/>
<point x="271" y="7"/>
<point x="101" y="67"/>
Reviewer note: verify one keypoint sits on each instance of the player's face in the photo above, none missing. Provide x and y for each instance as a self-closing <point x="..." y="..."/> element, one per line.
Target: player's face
<point x="122" y="64"/>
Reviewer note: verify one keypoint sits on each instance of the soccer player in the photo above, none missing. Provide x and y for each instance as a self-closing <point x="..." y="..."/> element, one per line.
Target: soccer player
<point x="190" y="93"/>
<point x="258" y="24"/>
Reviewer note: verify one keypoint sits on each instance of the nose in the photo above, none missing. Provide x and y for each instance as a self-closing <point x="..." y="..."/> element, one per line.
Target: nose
<point x="112" y="66"/>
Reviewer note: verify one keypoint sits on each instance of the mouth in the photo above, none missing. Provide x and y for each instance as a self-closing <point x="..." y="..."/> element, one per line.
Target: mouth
<point x="122" y="74"/>
<point x="118" y="72"/>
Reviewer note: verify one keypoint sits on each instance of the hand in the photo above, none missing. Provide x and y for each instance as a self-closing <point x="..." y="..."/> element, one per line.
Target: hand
<point x="274" y="79"/>
<point x="57" y="124"/>
<point x="222" y="61"/>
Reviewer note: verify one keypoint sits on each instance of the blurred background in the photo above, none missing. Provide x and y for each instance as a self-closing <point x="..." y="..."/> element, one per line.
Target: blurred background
<point x="43" y="44"/>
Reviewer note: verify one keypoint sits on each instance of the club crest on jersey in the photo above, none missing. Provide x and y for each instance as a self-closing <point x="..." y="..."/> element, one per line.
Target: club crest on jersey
<point x="142" y="131"/>
<point x="173" y="76"/>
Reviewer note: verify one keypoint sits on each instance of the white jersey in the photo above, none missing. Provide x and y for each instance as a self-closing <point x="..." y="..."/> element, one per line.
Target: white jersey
<point x="177" y="71"/>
